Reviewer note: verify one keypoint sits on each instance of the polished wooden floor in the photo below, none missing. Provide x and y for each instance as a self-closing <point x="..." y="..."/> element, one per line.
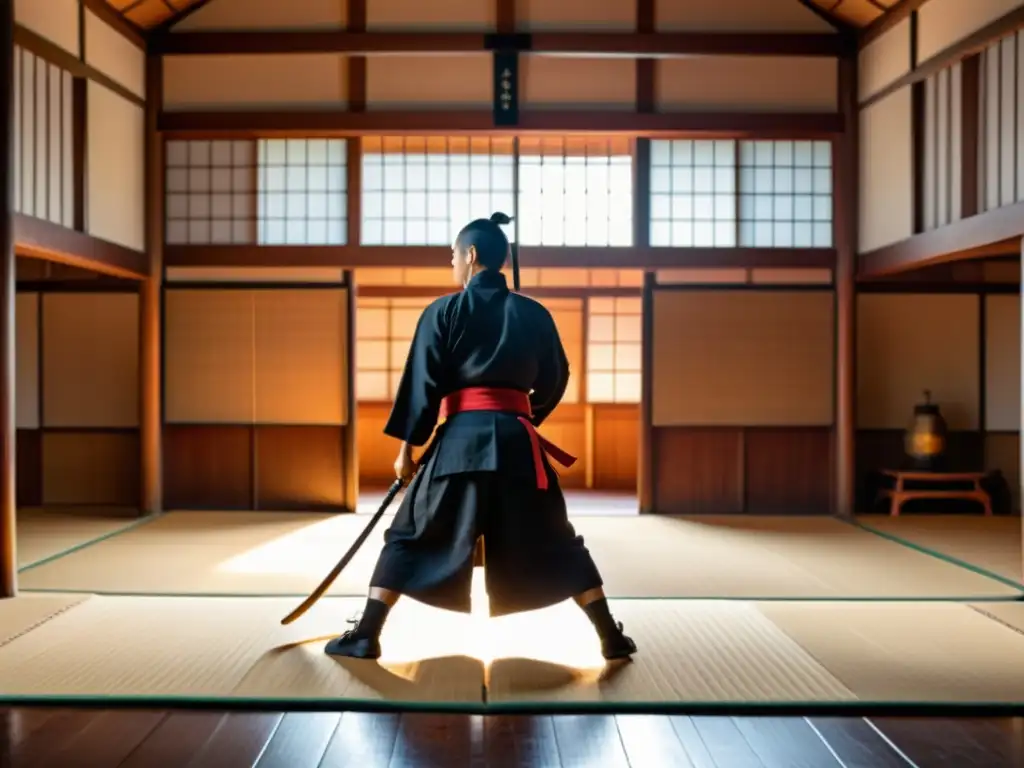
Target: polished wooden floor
<point x="91" y="738"/>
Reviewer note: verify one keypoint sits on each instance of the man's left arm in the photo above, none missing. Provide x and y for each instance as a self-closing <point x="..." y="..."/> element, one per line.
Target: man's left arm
<point x="418" y="399"/>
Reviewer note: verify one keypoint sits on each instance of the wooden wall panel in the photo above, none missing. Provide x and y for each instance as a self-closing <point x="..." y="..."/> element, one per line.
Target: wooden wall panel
<point x="209" y="356"/>
<point x="301" y="354"/>
<point x="43" y="167"/>
<point x="447" y="15"/>
<point x="377" y="451"/>
<point x="116" y="189"/>
<point x="942" y="23"/>
<point x="886" y="172"/>
<point x="568" y="317"/>
<point x="884" y="60"/>
<point x="299" y="467"/>
<point x="736" y="16"/>
<point x="1002" y="453"/>
<point x="691" y="276"/>
<point x="746" y="84"/>
<point x="1002" y="363"/>
<point x="265" y="15"/>
<point x="90" y="468"/>
<point x="420" y="82"/>
<point x="907" y="343"/>
<point x="566" y="427"/>
<point x="114" y="55"/>
<point x="576" y="15"/>
<point x="90" y="359"/>
<point x="616" y="447"/>
<point x="26" y="349"/>
<point x="788" y="471"/>
<point x="698" y="471"/>
<point x="567" y="82"/>
<point x="791" y="276"/>
<point x="743" y="358"/>
<point x="29" y="458"/>
<point x="244" y="82"/>
<point x="208" y="467"/>
<point x="55" y="20"/>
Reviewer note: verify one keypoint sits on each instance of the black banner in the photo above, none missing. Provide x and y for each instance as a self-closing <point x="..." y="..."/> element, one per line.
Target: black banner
<point x="506" y="89"/>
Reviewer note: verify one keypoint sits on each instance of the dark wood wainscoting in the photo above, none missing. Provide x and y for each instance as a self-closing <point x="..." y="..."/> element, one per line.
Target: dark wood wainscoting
<point x="269" y="467"/>
<point x="753" y="470"/>
<point x="78" y="467"/>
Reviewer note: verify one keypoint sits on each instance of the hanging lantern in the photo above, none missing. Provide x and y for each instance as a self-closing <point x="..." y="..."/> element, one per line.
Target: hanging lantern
<point x="925" y="440"/>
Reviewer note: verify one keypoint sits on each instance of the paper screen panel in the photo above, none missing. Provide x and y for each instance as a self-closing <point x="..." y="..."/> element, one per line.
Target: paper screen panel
<point x="91" y="468"/>
<point x="209" y="353"/>
<point x="568" y="317"/>
<point x="907" y="343"/>
<point x="614" y="335"/>
<point x="26" y="392"/>
<point x="115" y="182"/>
<point x="55" y="20"/>
<point x="942" y="23"/>
<point x="886" y="171"/>
<point x="576" y="15"/>
<point x="736" y="16"/>
<point x="429" y="82"/>
<point x="884" y="60"/>
<point x="564" y="82"/>
<point x="743" y="358"/>
<point x="271" y="15"/>
<point x="1002" y="363"/>
<point x="301" y="353"/>
<point x="90" y="359"/>
<point x="114" y="55"/>
<point x="446" y="15"/>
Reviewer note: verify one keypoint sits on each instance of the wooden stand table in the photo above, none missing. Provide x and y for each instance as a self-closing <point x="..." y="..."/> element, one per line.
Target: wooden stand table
<point x="900" y="493"/>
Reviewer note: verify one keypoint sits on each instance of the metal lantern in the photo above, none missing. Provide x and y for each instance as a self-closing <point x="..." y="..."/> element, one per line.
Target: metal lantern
<point x="925" y="440"/>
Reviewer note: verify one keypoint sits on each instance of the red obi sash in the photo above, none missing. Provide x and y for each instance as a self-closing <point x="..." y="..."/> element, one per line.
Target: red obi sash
<point x="510" y="400"/>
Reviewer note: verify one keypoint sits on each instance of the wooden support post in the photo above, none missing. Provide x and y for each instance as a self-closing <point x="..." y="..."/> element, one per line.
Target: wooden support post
<point x="647" y="459"/>
<point x="350" y="447"/>
<point x="150" y="300"/>
<point x="845" y="181"/>
<point x="8" y="474"/>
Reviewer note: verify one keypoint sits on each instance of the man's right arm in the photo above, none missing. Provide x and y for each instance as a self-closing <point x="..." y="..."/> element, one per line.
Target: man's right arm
<point x="552" y="374"/>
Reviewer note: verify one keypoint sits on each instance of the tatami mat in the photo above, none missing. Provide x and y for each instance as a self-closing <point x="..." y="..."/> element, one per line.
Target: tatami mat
<point x="233" y="648"/>
<point x="22" y="614"/>
<point x="245" y="553"/>
<point x="43" y="533"/>
<point x="691" y="653"/>
<point x="991" y="543"/>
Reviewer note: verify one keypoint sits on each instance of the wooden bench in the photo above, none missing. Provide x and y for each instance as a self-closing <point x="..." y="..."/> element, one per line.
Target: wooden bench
<point x="901" y="493"/>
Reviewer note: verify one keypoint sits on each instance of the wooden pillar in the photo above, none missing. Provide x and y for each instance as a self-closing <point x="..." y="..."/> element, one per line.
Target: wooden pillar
<point x="150" y="300"/>
<point x="350" y="447"/>
<point x="647" y="459"/>
<point x="845" y="176"/>
<point x="8" y="532"/>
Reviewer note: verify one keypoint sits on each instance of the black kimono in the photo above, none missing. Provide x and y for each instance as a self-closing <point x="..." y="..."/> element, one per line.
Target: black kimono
<point x="479" y="477"/>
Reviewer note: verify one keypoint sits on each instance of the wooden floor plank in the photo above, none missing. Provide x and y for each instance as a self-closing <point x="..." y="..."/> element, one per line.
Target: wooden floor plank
<point x="428" y="740"/>
<point x="38" y="749"/>
<point x="300" y="741"/>
<point x="105" y="742"/>
<point x="725" y="744"/>
<point x="239" y="741"/>
<point x="965" y="743"/>
<point x="856" y="743"/>
<point x="514" y="741"/>
<point x="785" y="742"/>
<point x="589" y="741"/>
<point x="651" y="740"/>
<point x="176" y="740"/>
<point x="16" y="725"/>
<point x="362" y="740"/>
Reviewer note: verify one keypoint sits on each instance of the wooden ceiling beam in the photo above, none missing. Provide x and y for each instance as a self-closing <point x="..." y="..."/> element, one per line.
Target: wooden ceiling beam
<point x="619" y="44"/>
<point x="313" y="124"/>
<point x="41" y="239"/>
<point x="993" y="233"/>
<point x="349" y="256"/>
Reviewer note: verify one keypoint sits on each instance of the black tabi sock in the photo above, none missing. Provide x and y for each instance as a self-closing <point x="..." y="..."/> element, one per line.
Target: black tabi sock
<point x="372" y="621"/>
<point x="601" y="617"/>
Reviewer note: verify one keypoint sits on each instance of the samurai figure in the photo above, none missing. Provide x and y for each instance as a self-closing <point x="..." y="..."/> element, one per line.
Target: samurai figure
<point x="489" y="363"/>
